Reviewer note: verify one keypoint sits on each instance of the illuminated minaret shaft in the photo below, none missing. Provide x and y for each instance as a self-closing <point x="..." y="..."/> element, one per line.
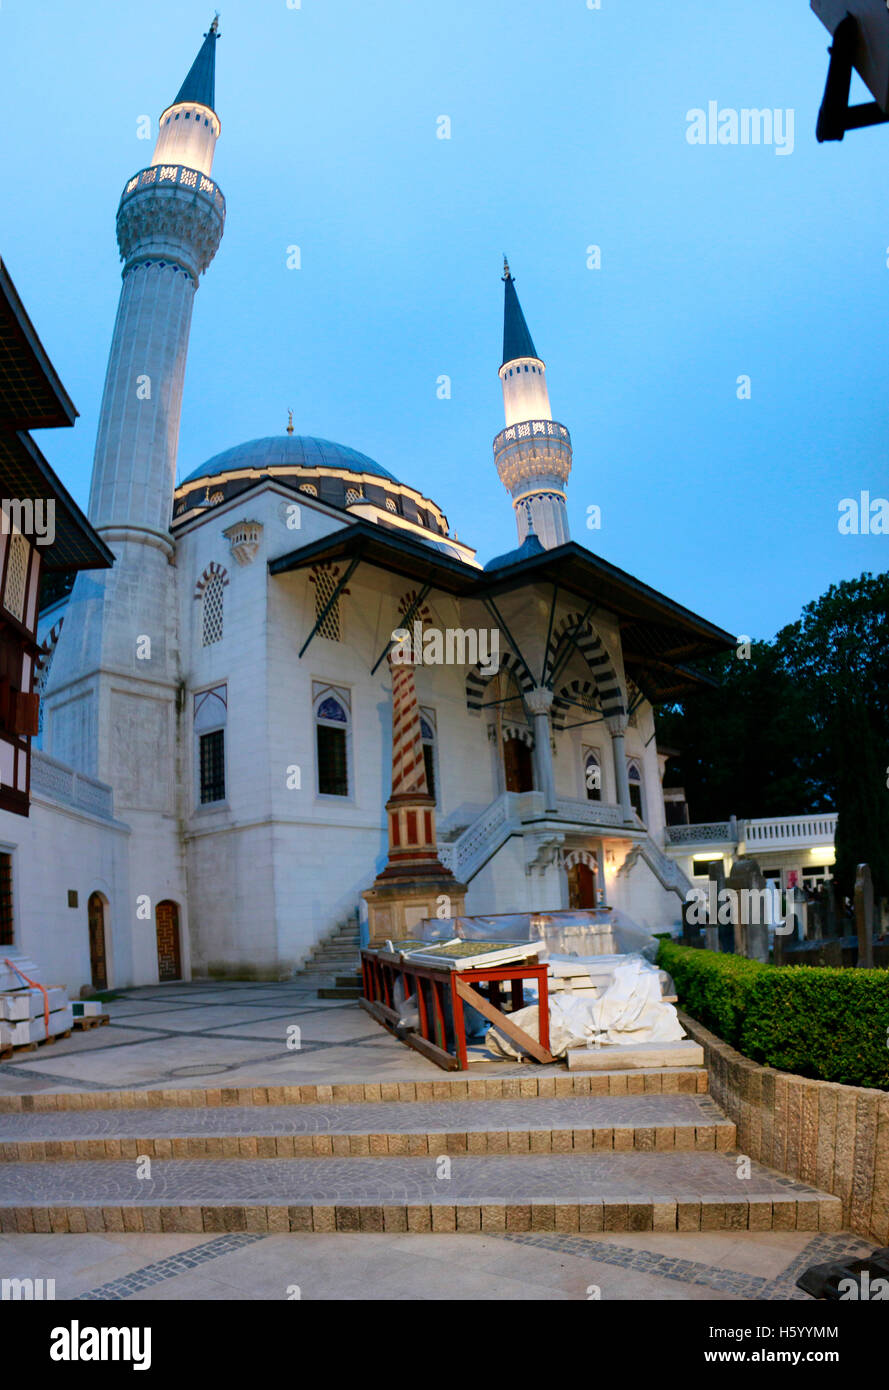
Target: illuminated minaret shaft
<point x="169" y="225"/>
<point x="121" y="657"/>
<point x="533" y="452"/>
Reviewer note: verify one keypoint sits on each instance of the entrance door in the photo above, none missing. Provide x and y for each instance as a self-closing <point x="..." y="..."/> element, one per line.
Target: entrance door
<point x="581" y="886"/>
<point x="96" y="917"/>
<point x="169" y="960"/>
<point x="517" y="766"/>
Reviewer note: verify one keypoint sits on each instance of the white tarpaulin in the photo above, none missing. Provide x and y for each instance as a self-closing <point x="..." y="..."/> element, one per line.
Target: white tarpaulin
<point x="630" y="1011"/>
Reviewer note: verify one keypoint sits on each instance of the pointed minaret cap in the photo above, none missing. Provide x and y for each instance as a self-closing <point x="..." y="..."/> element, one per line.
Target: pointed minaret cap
<point x="200" y="84"/>
<point x="517" y="341"/>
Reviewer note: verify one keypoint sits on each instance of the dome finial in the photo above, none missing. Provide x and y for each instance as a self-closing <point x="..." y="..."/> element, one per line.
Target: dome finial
<point x="507" y="275"/>
<point x="214" y="27"/>
<point x="290" y="422"/>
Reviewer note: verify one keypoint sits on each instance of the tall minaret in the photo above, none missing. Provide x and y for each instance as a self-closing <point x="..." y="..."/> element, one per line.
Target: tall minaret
<point x="111" y="705"/>
<point x="169" y="225"/>
<point x="533" y="453"/>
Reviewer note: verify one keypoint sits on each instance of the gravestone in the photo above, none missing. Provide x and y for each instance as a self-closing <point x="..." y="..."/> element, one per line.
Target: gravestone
<point x="750" y="916"/>
<point x="864" y="916"/>
<point x="718" y="938"/>
<point x="831" y="926"/>
<point x="691" y="931"/>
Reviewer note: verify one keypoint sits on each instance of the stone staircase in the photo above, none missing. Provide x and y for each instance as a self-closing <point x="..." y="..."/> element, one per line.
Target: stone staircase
<point x="529" y="1149"/>
<point x="334" y="965"/>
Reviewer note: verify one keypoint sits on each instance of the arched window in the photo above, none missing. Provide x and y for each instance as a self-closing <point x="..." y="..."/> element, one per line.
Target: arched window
<point x="309" y="489"/>
<point x="353" y="494"/>
<point x="332" y="733"/>
<point x="592" y="775"/>
<point x="210" y="714"/>
<point x="427" y="730"/>
<point x="212" y="610"/>
<point x="637" y="801"/>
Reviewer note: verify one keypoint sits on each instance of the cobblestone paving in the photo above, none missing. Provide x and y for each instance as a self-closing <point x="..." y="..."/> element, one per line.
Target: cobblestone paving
<point x="819" y="1250"/>
<point x="162" y="1270"/>
<point x="416" y="1117"/>
<point x="731" y="1283"/>
<point x="606" y="1177"/>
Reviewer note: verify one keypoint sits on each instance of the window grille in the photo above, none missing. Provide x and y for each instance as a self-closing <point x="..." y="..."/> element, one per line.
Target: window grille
<point x="325" y="584"/>
<point x="212" y="610"/>
<point x="212" y="752"/>
<point x="17" y="576"/>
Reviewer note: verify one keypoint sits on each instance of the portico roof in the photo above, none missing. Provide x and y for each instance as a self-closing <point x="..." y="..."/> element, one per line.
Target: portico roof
<point x="658" y="635"/>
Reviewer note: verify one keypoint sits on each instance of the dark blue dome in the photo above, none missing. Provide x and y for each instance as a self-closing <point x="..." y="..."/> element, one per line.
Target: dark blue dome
<point x="288" y="451"/>
<point x="529" y="546"/>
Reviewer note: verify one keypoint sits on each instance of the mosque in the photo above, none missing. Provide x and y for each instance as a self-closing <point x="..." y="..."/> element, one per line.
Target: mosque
<point x="212" y="781"/>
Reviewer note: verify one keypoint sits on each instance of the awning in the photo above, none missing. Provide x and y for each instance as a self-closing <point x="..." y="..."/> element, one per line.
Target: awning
<point x="658" y="637"/>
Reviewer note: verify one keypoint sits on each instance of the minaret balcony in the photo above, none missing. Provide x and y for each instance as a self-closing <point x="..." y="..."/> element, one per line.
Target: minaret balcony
<point x="170" y="210"/>
<point x="530" y="449"/>
<point x="175" y="176"/>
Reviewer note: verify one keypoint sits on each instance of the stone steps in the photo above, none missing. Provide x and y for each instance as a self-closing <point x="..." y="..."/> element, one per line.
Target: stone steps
<point x="640" y="1123"/>
<point x="531" y="1192"/>
<point x="339" y="992"/>
<point x="501" y="1082"/>
<point x="526" y="1149"/>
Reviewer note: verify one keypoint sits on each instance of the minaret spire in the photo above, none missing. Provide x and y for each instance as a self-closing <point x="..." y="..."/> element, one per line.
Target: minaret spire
<point x="190" y="127"/>
<point x="200" y="84"/>
<point x="517" y="342"/>
<point x="533" y="453"/>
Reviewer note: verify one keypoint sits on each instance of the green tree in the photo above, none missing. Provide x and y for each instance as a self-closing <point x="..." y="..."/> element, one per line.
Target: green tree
<point x="862" y="797"/>
<point x="802" y="726"/>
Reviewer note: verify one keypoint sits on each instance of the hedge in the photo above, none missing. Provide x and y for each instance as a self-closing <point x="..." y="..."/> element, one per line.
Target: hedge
<point x="831" y="1025"/>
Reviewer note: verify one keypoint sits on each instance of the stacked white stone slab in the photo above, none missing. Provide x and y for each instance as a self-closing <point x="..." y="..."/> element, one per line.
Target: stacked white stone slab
<point x="23" y="1008"/>
<point x="33" y="1030"/>
<point x="590" y="978"/>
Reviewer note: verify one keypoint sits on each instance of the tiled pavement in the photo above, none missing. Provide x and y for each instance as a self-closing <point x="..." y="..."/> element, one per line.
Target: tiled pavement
<point x="231" y="1034"/>
<point x="537" y="1267"/>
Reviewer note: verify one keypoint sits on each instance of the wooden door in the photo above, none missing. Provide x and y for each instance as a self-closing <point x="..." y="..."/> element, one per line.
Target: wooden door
<point x="581" y="887"/>
<point x="517" y="767"/>
<point x="169" y="959"/>
<point x="96" y="918"/>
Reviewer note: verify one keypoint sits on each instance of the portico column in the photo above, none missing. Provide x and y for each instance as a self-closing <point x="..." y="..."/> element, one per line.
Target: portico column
<point x="617" y="725"/>
<point x="538" y="702"/>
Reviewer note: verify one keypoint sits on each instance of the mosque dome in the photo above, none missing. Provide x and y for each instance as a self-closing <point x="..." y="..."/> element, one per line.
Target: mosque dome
<point x="288" y="451"/>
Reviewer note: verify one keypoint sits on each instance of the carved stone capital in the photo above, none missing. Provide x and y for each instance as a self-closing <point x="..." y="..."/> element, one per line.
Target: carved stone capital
<point x="539" y="700"/>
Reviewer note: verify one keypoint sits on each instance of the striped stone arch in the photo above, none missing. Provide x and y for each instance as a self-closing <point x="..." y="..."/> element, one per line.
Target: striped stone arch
<point x="565" y="701"/>
<point x="477" y="682"/>
<point x="519" y="731"/>
<point x="211" y="570"/>
<point x="595" y="654"/>
<point x="580" y="856"/>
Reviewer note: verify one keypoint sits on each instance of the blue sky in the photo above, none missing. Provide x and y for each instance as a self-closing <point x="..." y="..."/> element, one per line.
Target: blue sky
<point x="568" y="129"/>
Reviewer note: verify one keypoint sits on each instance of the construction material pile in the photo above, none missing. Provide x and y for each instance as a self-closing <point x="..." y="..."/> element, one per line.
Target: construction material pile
<point x="30" y="1010"/>
<point x="616" y="1007"/>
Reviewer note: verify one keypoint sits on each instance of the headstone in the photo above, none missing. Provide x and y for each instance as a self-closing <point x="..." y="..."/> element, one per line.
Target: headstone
<point x="691" y="925"/>
<point x="750" y="911"/>
<point x="864" y="916"/>
<point x="718" y="938"/>
<point x="831" y="928"/>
